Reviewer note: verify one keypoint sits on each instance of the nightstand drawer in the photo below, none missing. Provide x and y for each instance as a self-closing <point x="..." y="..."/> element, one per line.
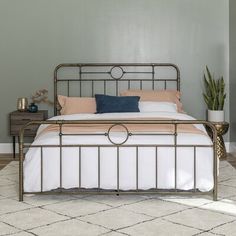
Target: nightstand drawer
<point x="30" y="130"/>
<point x="19" y="119"/>
<point x="27" y="116"/>
<point x="23" y="121"/>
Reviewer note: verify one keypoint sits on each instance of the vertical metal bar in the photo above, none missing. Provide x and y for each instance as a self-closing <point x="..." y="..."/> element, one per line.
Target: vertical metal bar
<point x="21" y="158"/>
<point x="118" y="168"/>
<point x="129" y="84"/>
<point x="55" y="92"/>
<point x="105" y="87"/>
<point x="60" y="144"/>
<point x="141" y="84"/>
<point x="80" y="82"/>
<point x="79" y="167"/>
<point x="194" y="169"/>
<point x="165" y="84"/>
<point x="178" y="78"/>
<point x="215" y="163"/>
<point x="117" y="88"/>
<point x="153" y="77"/>
<point x="92" y="88"/>
<point x="41" y="164"/>
<point x="175" y="144"/>
<point x="99" y="168"/>
<point x="68" y="88"/>
<point x="137" y="154"/>
<point x="156" y="164"/>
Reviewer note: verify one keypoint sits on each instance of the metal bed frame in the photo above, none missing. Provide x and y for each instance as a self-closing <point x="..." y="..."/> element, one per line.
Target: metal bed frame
<point x="117" y="73"/>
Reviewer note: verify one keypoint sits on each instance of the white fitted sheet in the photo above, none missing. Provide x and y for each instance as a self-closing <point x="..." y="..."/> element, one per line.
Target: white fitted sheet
<point x="108" y="164"/>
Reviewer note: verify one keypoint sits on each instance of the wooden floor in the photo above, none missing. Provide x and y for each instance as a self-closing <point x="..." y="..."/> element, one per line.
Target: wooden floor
<point x="7" y="158"/>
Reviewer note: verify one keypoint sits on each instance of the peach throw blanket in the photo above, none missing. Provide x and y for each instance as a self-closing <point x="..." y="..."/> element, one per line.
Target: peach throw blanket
<point x="103" y="128"/>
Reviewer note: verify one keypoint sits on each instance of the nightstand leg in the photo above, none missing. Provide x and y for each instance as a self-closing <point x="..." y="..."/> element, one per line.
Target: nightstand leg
<point x="18" y="141"/>
<point x="14" y="147"/>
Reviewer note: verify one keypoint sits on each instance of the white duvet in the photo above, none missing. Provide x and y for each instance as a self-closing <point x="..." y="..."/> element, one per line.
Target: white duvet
<point x="108" y="164"/>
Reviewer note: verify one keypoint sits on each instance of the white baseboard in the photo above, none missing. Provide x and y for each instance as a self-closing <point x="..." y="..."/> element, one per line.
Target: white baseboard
<point x="227" y="146"/>
<point x="7" y="148"/>
<point x="232" y="147"/>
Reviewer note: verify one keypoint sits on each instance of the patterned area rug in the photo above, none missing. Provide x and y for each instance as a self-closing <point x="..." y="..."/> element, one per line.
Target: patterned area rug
<point x="117" y="215"/>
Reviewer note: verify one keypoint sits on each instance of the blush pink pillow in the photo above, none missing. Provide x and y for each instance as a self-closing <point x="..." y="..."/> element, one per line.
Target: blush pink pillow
<point x="155" y="95"/>
<point x="76" y="105"/>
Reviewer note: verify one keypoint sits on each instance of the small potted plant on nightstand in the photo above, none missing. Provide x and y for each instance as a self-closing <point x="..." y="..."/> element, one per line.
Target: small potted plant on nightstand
<point x="40" y="96"/>
<point x="214" y="97"/>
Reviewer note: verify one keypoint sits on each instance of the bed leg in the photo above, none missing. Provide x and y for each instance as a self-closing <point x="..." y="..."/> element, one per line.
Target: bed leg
<point x="215" y="195"/>
<point x="21" y="184"/>
<point x="21" y="181"/>
<point x="117" y="193"/>
<point x="20" y="190"/>
<point x="21" y="198"/>
<point x="21" y="157"/>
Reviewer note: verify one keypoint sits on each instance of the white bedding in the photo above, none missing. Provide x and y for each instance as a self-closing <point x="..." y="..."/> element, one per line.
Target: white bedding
<point x="89" y="170"/>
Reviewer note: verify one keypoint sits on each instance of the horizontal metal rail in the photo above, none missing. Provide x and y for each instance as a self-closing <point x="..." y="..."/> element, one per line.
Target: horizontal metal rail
<point x="112" y="145"/>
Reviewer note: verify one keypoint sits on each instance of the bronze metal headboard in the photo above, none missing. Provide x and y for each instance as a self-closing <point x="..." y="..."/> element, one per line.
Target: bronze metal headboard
<point x="129" y="75"/>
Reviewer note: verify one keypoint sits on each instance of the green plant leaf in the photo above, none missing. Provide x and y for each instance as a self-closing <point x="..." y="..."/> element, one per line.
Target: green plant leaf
<point x="214" y="95"/>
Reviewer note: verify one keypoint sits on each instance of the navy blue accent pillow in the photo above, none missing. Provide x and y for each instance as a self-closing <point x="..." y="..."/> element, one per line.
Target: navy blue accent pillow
<point x="109" y="104"/>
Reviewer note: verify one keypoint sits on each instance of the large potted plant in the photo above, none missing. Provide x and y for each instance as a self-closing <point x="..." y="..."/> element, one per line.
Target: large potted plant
<point x="214" y="96"/>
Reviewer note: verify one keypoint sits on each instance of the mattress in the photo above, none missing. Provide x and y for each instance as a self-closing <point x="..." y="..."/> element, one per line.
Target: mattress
<point x="147" y="174"/>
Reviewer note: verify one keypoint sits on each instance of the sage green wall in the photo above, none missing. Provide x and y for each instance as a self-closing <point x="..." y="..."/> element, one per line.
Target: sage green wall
<point x="232" y="30"/>
<point x="38" y="35"/>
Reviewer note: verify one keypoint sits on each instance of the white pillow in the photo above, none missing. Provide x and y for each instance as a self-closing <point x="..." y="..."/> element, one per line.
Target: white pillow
<point x="157" y="106"/>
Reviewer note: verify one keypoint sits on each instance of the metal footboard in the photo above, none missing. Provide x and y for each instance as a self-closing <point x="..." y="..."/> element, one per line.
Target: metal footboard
<point x="123" y="124"/>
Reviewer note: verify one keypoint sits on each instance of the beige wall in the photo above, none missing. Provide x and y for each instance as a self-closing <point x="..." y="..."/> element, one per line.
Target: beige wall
<point x="35" y="36"/>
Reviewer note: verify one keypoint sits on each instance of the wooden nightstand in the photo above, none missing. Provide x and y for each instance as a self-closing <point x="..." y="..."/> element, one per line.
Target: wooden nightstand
<point x="17" y="119"/>
<point x="221" y="128"/>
